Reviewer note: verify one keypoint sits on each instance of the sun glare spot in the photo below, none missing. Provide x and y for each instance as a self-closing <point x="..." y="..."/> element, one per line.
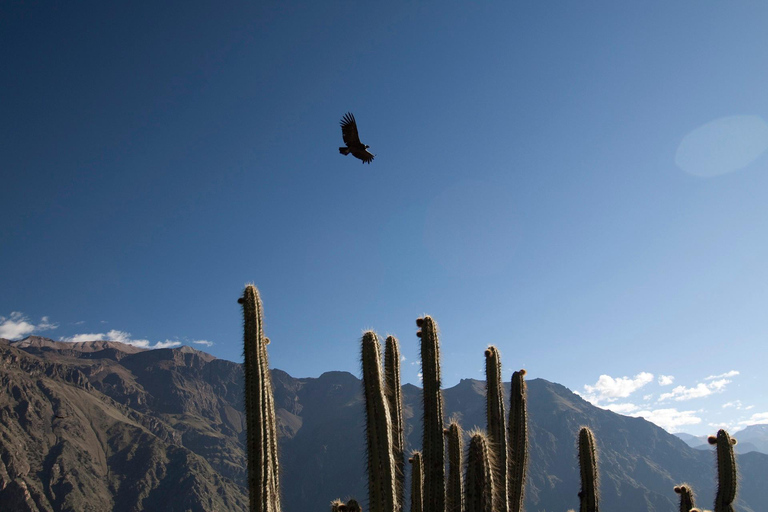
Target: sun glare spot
<point x="722" y="146"/>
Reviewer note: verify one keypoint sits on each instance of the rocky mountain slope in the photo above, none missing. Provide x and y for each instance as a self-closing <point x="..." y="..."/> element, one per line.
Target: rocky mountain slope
<point x="106" y="426"/>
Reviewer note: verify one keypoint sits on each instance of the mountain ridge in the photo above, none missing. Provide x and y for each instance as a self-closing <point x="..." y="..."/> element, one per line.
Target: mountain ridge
<point x="98" y="428"/>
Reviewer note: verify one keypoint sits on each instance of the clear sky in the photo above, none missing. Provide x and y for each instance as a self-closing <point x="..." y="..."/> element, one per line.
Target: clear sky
<point x="582" y="184"/>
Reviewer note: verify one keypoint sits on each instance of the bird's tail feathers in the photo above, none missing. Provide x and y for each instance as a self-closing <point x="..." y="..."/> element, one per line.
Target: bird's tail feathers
<point x="344" y="151"/>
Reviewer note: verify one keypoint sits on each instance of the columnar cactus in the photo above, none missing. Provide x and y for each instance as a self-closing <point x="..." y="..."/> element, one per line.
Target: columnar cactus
<point x="517" y="460"/>
<point x="589" y="495"/>
<point x="417" y="483"/>
<point x="497" y="431"/>
<point x="261" y="426"/>
<point x="381" y="464"/>
<point x="350" y="506"/>
<point x="454" y="497"/>
<point x="433" y="453"/>
<point x="686" y="497"/>
<point x="479" y="485"/>
<point x="395" y="401"/>
<point x="726" y="471"/>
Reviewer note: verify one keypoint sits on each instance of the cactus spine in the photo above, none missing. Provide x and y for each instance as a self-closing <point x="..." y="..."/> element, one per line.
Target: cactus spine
<point x="417" y="483"/>
<point x="497" y="429"/>
<point x="517" y="461"/>
<point x="433" y="452"/>
<point x="726" y="471"/>
<point x="686" y="497"/>
<point x="589" y="495"/>
<point x="263" y="478"/>
<point x="479" y="488"/>
<point x="395" y="401"/>
<point x="381" y="465"/>
<point x="454" y="497"/>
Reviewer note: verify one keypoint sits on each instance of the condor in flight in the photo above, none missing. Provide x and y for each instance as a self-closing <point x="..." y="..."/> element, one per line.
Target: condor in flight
<point x="352" y="140"/>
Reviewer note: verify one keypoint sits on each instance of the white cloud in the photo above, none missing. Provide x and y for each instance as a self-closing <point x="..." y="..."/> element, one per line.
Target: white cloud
<point x="736" y="404"/>
<point x="609" y="389"/>
<point x="203" y="342"/>
<point x="670" y="420"/>
<point x="647" y="397"/>
<point x="756" y="419"/>
<point x="626" y="408"/>
<point x="731" y="373"/>
<point x="122" y="337"/>
<point x="666" y="380"/>
<point x="17" y="326"/>
<point x="681" y="393"/>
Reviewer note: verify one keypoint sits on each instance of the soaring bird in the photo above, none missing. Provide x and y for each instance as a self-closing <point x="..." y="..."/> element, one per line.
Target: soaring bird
<point x="352" y="140"/>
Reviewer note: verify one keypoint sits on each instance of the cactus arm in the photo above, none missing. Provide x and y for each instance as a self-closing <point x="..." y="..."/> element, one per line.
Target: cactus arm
<point x="417" y="483"/>
<point x="433" y="448"/>
<point x="454" y="496"/>
<point x="381" y="468"/>
<point x="517" y="461"/>
<point x="479" y="485"/>
<point x="727" y="475"/>
<point x="687" y="501"/>
<point x="261" y="426"/>
<point x="589" y="495"/>
<point x="497" y="431"/>
<point x="395" y="401"/>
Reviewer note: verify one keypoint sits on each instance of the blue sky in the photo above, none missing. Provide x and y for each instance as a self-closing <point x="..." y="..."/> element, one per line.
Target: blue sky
<point x="581" y="184"/>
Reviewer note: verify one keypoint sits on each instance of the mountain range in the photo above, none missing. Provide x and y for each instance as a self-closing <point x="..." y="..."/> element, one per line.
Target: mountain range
<point x="753" y="438"/>
<point x="101" y="425"/>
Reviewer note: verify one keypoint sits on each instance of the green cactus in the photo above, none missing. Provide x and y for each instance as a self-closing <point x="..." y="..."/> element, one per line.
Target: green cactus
<point x="687" y="501"/>
<point x="517" y="460"/>
<point x="395" y="401"/>
<point x="726" y="471"/>
<point x="497" y="429"/>
<point x="589" y="495"/>
<point x="433" y="451"/>
<point x="479" y="492"/>
<point x="417" y="483"/>
<point x="261" y="426"/>
<point x="381" y="464"/>
<point x="454" y="496"/>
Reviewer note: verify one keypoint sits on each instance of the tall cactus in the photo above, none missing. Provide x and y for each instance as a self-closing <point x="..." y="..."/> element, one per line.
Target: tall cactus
<point x="417" y="483"/>
<point x="517" y="461"/>
<point x="381" y="464"/>
<point x="479" y="485"/>
<point x="395" y="401"/>
<point x="687" y="501"/>
<point x="433" y="453"/>
<point x="497" y="431"/>
<point x="589" y="495"/>
<point x="454" y="497"/>
<point x="261" y="426"/>
<point x="726" y="471"/>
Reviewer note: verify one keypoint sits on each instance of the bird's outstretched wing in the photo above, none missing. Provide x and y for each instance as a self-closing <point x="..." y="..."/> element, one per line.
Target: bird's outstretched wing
<point x="363" y="154"/>
<point x="349" y="130"/>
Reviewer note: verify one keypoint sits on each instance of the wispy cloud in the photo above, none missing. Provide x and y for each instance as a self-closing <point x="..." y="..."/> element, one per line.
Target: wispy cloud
<point x="122" y="337"/>
<point x="671" y="419"/>
<point x="735" y="404"/>
<point x="203" y="342"/>
<point x="17" y="326"/>
<point x="610" y="389"/>
<point x="725" y="375"/>
<point x="626" y="408"/>
<point x="666" y="380"/>
<point x="681" y="393"/>
<point x="756" y="419"/>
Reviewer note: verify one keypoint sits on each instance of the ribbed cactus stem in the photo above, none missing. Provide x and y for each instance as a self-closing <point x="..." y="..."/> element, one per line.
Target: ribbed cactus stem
<point x="395" y="400"/>
<point x="497" y="428"/>
<point x="517" y="455"/>
<point x="261" y="426"/>
<point x="350" y="506"/>
<point x="433" y="452"/>
<point x="381" y="465"/>
<point x="454" y="497"/>
<point x="417" y="483"/>
<point x="589" y="495"/>
<point x="479" y="485"/>
<point x="687" y="501"/>
<point x="726" y="471"/>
